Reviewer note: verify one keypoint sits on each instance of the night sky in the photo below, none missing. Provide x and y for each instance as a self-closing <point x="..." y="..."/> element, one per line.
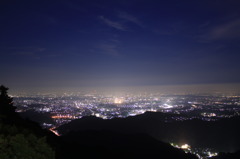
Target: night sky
<point x="68" y="43"/>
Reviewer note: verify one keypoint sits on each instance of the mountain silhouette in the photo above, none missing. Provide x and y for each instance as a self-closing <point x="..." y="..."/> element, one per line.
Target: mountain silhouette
<point x="107" y="144"/>
<point x="222" y="135"/>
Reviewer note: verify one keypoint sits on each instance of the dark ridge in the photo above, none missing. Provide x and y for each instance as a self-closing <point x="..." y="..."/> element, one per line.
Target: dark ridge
<point x="222" y="135"/>
<point x="39" y="117"/>
<point x="107" y="144"/>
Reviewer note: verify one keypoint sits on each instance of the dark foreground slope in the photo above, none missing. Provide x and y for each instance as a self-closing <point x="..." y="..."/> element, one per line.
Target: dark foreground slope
<point x="25" y="139"/>
<point x="108" y="145"/>
<point x="223" y="135"/>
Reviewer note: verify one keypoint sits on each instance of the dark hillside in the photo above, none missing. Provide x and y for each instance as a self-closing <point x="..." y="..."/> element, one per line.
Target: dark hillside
<point x="222" y="135"/>
<point x="106" y="144"/>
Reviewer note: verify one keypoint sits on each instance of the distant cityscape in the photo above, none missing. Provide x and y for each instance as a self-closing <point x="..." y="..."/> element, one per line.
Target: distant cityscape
<point x="65" y="108"/>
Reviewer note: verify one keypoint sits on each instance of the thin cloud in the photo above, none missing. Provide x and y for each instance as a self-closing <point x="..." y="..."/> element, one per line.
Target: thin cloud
<point x="112" y="24"/>
<point x="204" y="25"/>
<point x="109" y="49"/>
<point x="165" y="32"/>
<point x="32" y="52"/>
<point x="226" y="31"/>
<point x="130" y="18"/>
<point x="27" y="50"/>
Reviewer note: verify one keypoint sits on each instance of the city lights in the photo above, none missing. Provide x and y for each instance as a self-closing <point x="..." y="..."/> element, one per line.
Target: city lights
<point x="63" y="109"/>
<point x="185" y="146"/>
<point x="118" y="101"/>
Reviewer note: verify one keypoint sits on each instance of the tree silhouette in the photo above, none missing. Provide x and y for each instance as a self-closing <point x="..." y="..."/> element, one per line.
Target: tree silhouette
<point x="19" y="138"/>
<point x="6" y="102"/>
<point x="20" y="143"/>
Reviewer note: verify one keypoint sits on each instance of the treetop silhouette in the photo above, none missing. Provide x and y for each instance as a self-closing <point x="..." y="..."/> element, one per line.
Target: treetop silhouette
<point x="6" y="102"/>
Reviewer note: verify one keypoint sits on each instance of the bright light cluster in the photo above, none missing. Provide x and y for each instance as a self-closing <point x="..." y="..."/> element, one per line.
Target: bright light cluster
<point x="185" y="147"/>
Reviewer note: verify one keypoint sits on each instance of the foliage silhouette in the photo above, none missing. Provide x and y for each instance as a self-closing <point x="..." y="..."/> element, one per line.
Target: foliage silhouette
<point x="6" y="103"/>
<point x="19" y="145"/>
<point x="19" y="138"/>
